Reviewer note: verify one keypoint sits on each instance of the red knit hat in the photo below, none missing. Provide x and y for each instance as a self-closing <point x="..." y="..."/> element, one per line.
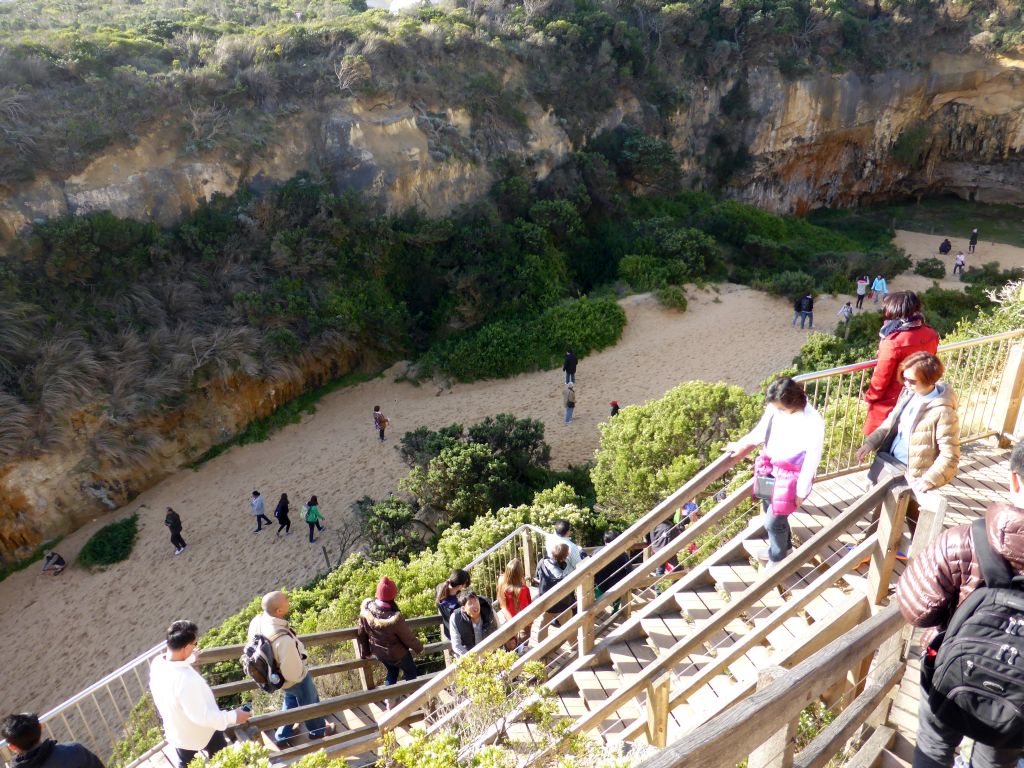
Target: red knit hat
<point x="386" y="590"/>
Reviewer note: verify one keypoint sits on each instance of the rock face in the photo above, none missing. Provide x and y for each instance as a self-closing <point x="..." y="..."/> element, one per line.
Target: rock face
<point x="954" y="125"/>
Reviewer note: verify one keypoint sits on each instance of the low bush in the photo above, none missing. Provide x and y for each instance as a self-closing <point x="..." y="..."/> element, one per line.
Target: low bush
<point x="989" y="275"/>
<point x="507" y="347"/>
<point x="792" y="285"/>
<point x="673" y="297"/>
<point x="110" y="544"/>
<point x="141" y="733"/>
<point x="930" y="267"/>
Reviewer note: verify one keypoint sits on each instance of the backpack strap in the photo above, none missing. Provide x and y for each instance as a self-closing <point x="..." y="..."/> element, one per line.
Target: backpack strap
<point x="994" y="568"/>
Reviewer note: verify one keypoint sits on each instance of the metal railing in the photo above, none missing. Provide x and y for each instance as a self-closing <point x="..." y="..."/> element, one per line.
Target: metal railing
<point x="96" y="717"/>
<point x="974" y="369"/>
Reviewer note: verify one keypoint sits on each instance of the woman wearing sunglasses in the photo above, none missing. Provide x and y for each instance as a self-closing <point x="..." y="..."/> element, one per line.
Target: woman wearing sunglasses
<point x="921" y="435"/>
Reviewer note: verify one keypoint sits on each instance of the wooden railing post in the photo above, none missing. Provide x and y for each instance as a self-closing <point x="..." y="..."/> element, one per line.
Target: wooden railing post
<point x="931" y="517"/>
<point x="890" y="531"/>
<point x="1008" y="398"/>
<point x="777" y="751"/>
<point x="584" y="600"/>
<point x="529" y="559"/>
<point x="658" y="695"/>
<point x="365" y="672"/>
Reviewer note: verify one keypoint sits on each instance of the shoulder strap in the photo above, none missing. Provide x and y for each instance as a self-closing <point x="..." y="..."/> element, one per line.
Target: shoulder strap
<point x="768" y="430"/>
<point x="994" y="568"/>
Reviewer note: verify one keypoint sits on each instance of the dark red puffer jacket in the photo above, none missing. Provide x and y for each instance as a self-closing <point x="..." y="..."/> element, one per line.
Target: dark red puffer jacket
<point x="946" y="572"/>
<point x="886" y="382"/>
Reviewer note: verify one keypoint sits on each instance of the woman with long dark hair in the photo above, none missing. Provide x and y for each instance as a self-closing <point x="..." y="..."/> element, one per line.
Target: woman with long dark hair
<point x="281" y="513"/>
<point x="313" y="517"/>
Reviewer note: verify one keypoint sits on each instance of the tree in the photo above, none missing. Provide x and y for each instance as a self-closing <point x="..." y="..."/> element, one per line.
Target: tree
<point x="458" y="481"/>
<point x="648" y="451"/>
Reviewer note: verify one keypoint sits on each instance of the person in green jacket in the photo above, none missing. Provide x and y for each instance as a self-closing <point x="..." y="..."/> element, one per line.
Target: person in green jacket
<point x="313" y="517"/>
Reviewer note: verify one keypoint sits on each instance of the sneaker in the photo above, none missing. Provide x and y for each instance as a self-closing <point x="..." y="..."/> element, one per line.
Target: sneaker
<point x="178" y="551"/>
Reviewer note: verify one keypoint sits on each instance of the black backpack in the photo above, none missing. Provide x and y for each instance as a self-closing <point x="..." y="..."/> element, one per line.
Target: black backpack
<point x="973" y="672"/>
<point x="258" y="662"/>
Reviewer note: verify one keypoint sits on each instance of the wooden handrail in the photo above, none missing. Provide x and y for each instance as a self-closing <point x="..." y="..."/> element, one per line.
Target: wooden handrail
<point x="232" y="652"/>
<point x="731" y="736"/>
<point x="585" y="571"/>
<point x="349" y="665"/>
<point x="740" y="604"/>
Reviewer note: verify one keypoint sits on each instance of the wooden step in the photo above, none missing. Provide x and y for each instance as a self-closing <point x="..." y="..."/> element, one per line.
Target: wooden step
<point x="756" y="548"/>
<point x="890" y="760"/>
<point x="589" y="685"/>
<point x="825" y="605"/>
<point x="792" y="632"/>
<point x="701" y="603"/>
<point x="664" y="631"/>
<point x="630" y="658"/>
<point x="734" y="578"/>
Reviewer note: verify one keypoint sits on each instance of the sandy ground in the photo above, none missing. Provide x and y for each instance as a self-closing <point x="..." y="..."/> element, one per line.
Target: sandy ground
<point x="71" y="630"/>
<point x="920" y="246"/>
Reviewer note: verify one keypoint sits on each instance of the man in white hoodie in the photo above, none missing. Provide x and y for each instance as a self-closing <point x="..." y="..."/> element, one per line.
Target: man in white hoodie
<point x="192" y="720"/>
<point x="299" y="689"/>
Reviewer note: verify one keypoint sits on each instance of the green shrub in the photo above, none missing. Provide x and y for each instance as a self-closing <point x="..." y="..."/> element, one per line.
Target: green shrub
<point x="110" y="544"/>
<point x="930" y="267"/>
<point x="792" y="285"/>
<point x="649" y="450"/>
<point x="989" y="275"/>
<point x="673" y="297"/>
<point x="141" y="733"/>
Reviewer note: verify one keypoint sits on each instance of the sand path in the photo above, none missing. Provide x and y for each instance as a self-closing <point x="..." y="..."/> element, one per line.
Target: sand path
<point x="921" y="246"/>
<point x="72" y="630"/>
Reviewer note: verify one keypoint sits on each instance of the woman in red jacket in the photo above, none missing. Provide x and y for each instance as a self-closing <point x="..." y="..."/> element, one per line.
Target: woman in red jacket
<point x="903" y="333"/>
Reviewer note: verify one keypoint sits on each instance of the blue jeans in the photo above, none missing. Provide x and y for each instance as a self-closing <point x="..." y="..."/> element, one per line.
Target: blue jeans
<point x="568" y="413"/>
<point x="405" y="664"/>
<point x="779" y="538"/>
<point x="806" y="316"/>
<point x="299" y="695"/>
<point x="570" y="377"/>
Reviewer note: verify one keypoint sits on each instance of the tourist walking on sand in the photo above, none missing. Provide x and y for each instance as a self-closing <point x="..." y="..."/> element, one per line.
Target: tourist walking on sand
<point x="862" y="289"/>
<point x="846" y="312"/>
<point x="284" y="522"/>
<point x="383" y="633"/>
<point x="879" y="289"/>
<point x="615" y="407"/>
<point x="569" y="398"/>
<point x="380" y="422"/>
<point x="24" y="736"/>
<point x="259" y="511"/>
<point x="973" y="242"/>
<point x="569" y="366"/>
<point x="173" y="521"/>
<point x="311" y="514"/>
<point x="804" y="308"/>
<point x="958" y="262"/>
<point x="793" y="434"/>
<point x="290" y="655"/>
<point x="903" y="333"/>
<point x="192" y="720"/>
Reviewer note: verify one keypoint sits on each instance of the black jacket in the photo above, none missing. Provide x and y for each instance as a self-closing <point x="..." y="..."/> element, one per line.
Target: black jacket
<point x="465" y="626"/>
<point x="569" y="366"/>
<point x="173" y="521"/>
<point x="612" y="573"/>
<point x="281" y="513"/>
<point x="549" y="575"/>
<point x="50" y="754"/>
<point x="805" y="304"/>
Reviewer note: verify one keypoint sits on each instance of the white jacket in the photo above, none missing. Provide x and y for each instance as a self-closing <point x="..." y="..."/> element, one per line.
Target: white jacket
<point x="288" y="649"/>
<point x="186" y="704"/>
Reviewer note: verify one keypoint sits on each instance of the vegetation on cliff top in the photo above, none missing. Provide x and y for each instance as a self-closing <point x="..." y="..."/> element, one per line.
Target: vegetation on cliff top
<point x="77" y="78"/>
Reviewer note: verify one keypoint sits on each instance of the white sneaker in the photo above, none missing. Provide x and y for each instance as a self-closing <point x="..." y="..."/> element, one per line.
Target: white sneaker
<point x="178" y="551"/>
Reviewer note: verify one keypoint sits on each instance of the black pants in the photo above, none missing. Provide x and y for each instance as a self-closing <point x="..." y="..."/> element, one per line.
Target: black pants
<point x="259" y="521"/>
<point x="860" y="300"/>
<point x="176" y="540"/>
<point x="216" y="743"/>
<point x="312" y="526"/>
<point x="284" y="523"/>
<point x="380" y="431"/>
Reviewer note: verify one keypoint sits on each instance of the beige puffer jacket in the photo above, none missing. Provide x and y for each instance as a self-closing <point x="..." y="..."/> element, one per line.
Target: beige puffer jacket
<point x="946" y="572"/>
<point x="934" y="441"/>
